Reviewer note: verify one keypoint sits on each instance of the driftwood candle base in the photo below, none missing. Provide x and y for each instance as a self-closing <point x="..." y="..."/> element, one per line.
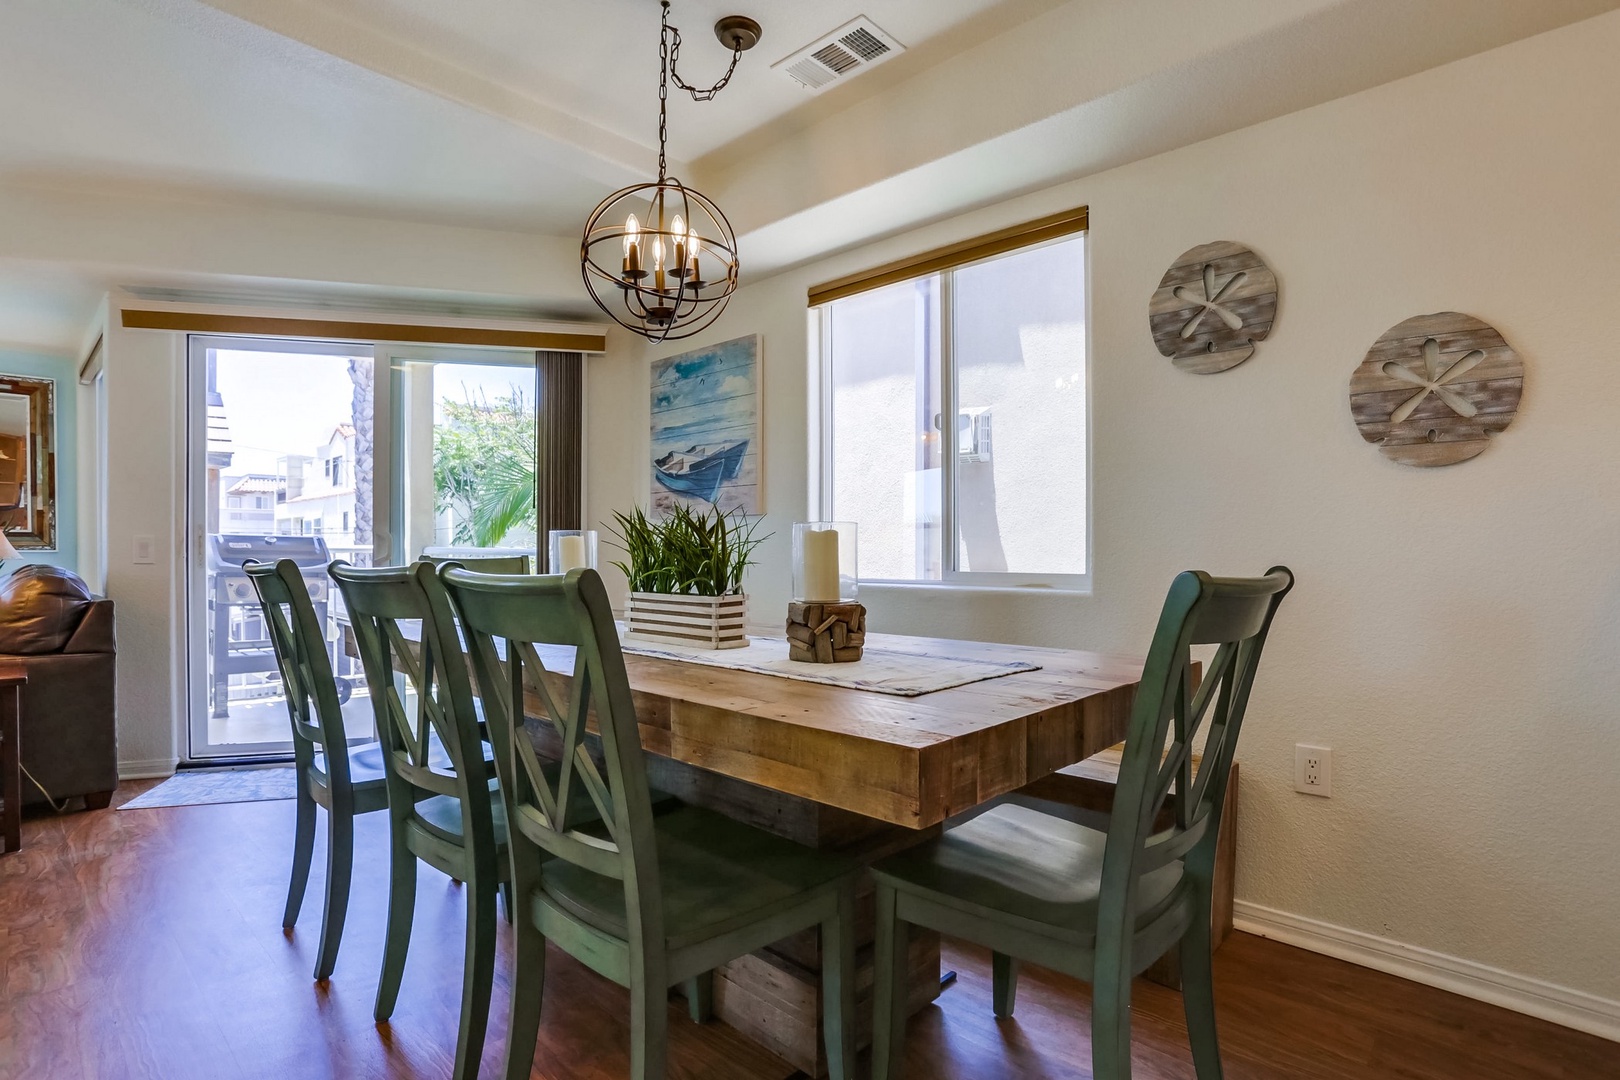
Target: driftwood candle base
<point x="826" y="633"/>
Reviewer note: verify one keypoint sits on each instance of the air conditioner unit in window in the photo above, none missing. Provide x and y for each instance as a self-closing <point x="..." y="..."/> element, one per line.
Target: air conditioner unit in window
<point x="973" y="434"/>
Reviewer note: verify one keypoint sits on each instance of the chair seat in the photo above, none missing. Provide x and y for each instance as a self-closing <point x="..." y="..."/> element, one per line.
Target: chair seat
<point x="716" y="875"/>
<point x="1026" y="865"/>
<point x="365" y="766"/>
<point x="441" y="815"/>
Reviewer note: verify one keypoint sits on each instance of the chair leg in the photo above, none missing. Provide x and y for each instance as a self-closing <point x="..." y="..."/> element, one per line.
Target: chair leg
<point x="478" y="977"/>
<point x="1198" y="992"/>
<point x="889" y="995"/>
<point x="1004" y="976"/>
<point x="303" y="853"/>
<point x="339" y="868"/>
<point x="397" y="941"/>
<point x="838" y="986"/>
<point x="700" y="997"/>
<point x="1111" y="1024"/>
<point x="528" y="990"/>
<point x="649" y="1024"/>
<point x="506" y="901"/>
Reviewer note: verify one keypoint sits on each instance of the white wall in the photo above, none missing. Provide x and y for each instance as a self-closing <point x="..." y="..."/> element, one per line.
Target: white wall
<point x="1453" y="632"/>
<point x="146" y="433"/>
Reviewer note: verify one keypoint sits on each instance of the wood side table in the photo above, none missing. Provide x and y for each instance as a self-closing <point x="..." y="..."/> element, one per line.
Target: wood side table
<point x="12" y="678"/>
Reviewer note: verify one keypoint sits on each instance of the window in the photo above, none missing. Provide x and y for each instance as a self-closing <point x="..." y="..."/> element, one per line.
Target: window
<point x="469" y="432"/>
<point x="233" y="502"/>
<point x="997" y="496"/>
<point x="345" y="521"/>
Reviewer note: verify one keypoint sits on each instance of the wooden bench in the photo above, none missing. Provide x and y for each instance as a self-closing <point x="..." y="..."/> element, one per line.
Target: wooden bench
<point x="1090" y="786"/>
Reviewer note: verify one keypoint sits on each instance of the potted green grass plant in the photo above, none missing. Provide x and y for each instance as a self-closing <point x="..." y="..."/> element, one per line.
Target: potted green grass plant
<point x="686" y="572"/>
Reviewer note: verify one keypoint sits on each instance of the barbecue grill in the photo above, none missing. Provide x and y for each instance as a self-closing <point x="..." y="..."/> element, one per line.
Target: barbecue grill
<point x="229" y="590"/>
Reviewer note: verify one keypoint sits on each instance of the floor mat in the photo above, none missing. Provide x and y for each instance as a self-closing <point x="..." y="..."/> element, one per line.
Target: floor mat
<point x="201" y="786"/>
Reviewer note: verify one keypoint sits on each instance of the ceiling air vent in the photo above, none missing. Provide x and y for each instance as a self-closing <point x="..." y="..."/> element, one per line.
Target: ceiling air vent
<point x="847" y="51"/>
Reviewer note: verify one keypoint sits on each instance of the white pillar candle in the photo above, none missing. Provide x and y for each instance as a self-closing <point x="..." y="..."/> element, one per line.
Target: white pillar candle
<point x="821" y="565"/>
<point x="570" y="553"/>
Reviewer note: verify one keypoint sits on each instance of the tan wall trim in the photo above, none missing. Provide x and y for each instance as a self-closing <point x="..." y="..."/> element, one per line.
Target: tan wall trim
<point x="959" y="254"/>
<point x="257" y="326"/>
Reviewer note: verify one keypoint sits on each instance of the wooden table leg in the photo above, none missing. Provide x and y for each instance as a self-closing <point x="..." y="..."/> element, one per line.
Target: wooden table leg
<point x="10" y="769"/>
<point x="773" y="996"/>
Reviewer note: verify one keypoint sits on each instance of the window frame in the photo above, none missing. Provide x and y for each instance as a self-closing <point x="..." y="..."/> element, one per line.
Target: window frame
<point x="951" y="577"/>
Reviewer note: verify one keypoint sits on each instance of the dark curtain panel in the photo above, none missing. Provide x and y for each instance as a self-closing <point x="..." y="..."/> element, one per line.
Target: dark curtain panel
<point x="559" y="448"/>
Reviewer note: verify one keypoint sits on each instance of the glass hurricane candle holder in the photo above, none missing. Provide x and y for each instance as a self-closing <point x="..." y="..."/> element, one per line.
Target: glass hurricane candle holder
<point x="572" y="549"/>
<point x="825" y="567"/>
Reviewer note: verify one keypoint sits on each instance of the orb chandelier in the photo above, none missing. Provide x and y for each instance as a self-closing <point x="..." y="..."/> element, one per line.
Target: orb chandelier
<point x="661" y="258"/>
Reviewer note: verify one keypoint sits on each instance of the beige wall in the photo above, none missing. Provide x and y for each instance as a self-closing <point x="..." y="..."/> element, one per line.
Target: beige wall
<point x="1453" y="634"/>
<point x="146" y="438"/>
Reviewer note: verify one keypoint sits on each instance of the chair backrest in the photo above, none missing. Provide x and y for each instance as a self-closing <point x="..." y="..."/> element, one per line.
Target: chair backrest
<point x="486" y="564"/>
<point x="378" y="601"/>
<point x="508" y="620"/>
<point x="299" y="642"/>
<point x="1170" y="715"/>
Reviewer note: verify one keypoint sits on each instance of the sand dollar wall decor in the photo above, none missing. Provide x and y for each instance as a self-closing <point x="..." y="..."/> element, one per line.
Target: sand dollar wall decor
<point x="1212" y="306"/>
<point x="1434" y="389"/>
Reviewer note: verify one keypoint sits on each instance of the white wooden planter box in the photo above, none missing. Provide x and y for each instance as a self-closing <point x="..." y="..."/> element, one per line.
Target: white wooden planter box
<point x="699" y="622"/>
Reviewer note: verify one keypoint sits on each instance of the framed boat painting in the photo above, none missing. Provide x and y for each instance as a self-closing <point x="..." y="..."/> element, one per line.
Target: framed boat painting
<point x="706" y="428"/>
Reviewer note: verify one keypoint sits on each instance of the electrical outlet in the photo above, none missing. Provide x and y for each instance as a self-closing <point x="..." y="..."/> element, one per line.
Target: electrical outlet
<point x="1313" y="770"/>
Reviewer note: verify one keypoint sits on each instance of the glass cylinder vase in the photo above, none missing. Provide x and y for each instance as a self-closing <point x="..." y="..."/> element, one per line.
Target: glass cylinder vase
<point x="572" y="549"/>
<point x="825" y="566"/>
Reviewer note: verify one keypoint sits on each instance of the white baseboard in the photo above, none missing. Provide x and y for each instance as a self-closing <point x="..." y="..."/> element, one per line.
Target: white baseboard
<point x="146" y="770"/>
<point x="1520" y="993"/>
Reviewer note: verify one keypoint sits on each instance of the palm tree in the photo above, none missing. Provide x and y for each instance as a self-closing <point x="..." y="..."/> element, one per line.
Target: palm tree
<point x="360" y="376"/>
<point x="484" y="467"/>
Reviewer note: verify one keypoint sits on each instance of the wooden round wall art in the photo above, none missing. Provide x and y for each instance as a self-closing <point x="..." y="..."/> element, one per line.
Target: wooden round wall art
<point x="1212" y="306"/>
<point x="1434" y="389"/>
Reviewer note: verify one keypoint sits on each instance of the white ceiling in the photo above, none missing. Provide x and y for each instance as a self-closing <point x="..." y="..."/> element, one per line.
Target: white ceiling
<point x="518" y="115"/>
<point x="172" y="95"/>
<point x="598" y="59"/>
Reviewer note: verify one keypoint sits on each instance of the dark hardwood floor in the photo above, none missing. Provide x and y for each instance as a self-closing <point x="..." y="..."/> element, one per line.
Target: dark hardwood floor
<point x="147" y="944"/>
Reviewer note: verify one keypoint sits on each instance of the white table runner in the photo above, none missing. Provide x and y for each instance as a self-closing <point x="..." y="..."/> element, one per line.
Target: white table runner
<point x="883" y="671"/>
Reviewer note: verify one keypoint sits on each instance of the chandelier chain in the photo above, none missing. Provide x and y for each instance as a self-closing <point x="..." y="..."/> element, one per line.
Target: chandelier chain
<point x="669" y="53"/>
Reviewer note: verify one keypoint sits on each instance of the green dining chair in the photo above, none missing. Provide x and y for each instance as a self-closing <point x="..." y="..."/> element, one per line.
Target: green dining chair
<point x="486" y="564"/>
<point x="345" y="780"/>
<point x="1029" y="883"/>
<point x="649" y="901"/>
<point x="439" y="811"/>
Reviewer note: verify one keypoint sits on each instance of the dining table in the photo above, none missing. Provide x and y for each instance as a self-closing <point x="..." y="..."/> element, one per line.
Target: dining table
<point x="855" y="770"/>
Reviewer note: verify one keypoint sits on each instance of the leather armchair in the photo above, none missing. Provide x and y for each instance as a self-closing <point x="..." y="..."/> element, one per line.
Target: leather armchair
<point x="52" y="625"/>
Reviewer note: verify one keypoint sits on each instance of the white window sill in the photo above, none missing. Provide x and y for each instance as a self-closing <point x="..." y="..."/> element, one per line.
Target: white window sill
<point x="1028" y="589"/>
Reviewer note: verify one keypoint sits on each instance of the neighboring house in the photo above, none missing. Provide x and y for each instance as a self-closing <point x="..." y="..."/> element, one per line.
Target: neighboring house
<point x="318" y="491"/>
<point x="249" y="504"/>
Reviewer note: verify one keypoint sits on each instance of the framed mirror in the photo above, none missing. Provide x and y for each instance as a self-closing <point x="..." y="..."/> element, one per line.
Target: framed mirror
<point x="28" y="462"/>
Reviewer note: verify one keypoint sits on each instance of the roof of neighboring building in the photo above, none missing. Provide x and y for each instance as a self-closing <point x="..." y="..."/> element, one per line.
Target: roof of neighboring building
<point x="254" y="485"/>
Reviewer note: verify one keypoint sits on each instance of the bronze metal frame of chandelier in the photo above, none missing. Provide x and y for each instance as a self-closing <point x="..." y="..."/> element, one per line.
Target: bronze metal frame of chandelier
<point x="642" y="280"/>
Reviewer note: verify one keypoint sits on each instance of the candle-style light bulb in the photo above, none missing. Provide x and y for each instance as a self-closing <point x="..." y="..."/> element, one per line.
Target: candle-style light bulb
<point x="632" y="246"/>
<point x="658" y="262"/>
<point x="694" y="247"/>
<point x="679" y="229"/>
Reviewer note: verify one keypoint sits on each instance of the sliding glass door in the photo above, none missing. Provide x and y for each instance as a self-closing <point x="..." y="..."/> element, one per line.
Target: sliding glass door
<point x="465" y="431"/>
<point x="282" y="462"/>
<point x="317" y="451"/>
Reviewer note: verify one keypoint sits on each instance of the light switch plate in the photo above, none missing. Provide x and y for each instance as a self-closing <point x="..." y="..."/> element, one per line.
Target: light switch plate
<point x="145" y="550"/>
